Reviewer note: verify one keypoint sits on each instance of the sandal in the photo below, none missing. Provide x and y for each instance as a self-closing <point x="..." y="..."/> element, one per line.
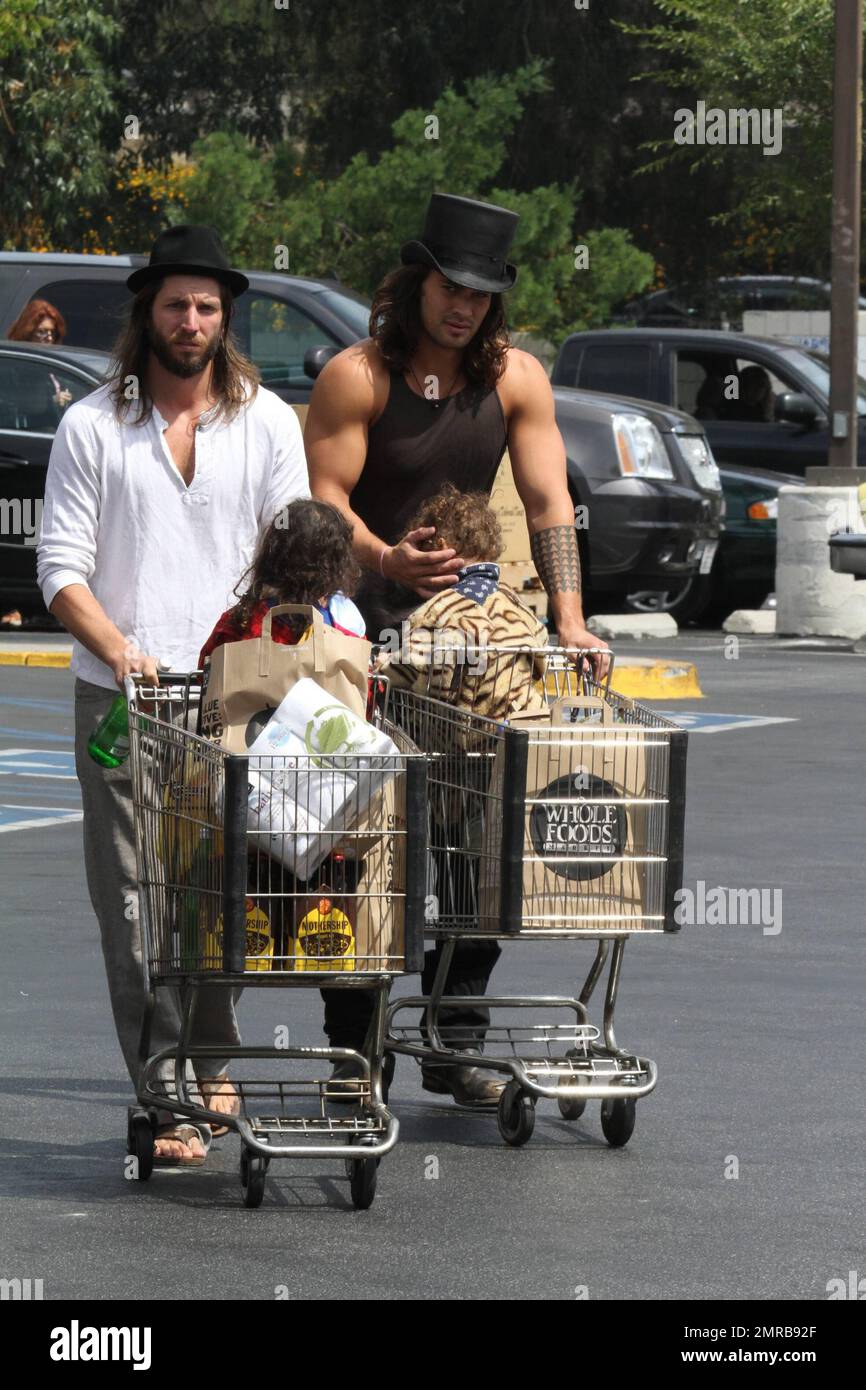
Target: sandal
<point x="184" y="1134"/>
<point x="219" y="1086"/>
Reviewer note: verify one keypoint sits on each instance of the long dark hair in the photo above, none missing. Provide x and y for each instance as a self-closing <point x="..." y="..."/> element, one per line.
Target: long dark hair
<point x="235" y="378"/>
<point x="304" y="555"/>
<point x="395" y="327"/>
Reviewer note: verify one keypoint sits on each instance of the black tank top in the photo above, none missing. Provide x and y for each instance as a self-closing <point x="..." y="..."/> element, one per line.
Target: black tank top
<point x="413" y="449"/>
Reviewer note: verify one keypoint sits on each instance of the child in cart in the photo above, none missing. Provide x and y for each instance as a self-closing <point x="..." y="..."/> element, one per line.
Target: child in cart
<point x="459" y="624"/>
<point x="305" y="556"/>
<point x="444" y="654"/>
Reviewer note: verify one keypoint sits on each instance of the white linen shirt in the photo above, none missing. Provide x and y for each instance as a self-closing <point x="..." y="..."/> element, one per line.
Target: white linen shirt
<point x="162" y="558"/>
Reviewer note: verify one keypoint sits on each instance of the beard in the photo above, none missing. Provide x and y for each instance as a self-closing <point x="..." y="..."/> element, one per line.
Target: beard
<point x="187" y="365"/>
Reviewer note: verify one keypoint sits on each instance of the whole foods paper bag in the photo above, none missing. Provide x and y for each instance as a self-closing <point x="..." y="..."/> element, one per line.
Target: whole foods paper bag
<point x="592" y="831"/>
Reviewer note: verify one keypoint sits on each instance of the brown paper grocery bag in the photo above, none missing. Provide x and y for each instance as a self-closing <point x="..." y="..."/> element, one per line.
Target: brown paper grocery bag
<point x="588" y="846"/>
<point x="246" y="680"/>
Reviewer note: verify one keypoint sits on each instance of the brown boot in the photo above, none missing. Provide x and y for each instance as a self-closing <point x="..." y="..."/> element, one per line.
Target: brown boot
<point x="475" y="1087"/>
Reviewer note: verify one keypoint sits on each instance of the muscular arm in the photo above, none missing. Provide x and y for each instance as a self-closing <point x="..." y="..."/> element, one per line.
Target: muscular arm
<point x="538" y="463"/>
<point x="335" y="440"/>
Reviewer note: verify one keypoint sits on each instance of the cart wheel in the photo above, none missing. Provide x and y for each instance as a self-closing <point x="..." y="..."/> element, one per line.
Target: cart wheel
<point x="140" y="1143"/>
<point x="570" y="1108"/>
<point x="515" y="1115"/>
<point x="362" y="1180"/>
<point x="617" y="1121"/>
<point x="254" y="1168"/>
<point x="389" y="1066"/>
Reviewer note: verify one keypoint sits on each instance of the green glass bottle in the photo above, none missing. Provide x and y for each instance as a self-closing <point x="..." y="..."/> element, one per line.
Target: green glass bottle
<point x="195" y="905"/>
<point x="108" y="745"/>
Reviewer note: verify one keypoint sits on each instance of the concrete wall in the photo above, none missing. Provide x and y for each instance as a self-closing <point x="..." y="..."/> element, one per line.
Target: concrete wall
<point x="811" y="599"/>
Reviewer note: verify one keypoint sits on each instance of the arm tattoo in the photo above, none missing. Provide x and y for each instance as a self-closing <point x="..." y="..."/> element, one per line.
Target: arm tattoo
<point x="557" y="559"/>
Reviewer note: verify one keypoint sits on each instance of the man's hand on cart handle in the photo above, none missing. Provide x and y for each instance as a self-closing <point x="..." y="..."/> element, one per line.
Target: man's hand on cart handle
<point x="133" y="661"/>
<point x="416" y="564"/>
<point x="581" y="637"/>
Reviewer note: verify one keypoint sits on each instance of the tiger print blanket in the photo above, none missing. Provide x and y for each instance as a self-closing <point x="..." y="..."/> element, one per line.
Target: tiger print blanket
<point x="446" y="654"/>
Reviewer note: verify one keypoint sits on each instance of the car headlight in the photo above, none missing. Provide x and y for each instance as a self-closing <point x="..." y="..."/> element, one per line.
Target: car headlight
<point x="698" y="455"/>
<point x="640" y="448"/>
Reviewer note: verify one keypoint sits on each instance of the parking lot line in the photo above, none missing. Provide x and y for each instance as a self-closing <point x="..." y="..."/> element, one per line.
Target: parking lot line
<point x="38" y="817"/>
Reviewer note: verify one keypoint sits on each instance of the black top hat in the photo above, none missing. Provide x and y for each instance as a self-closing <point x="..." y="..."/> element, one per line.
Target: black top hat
<point x="188" y="250"/>
<point x="468" y="241"/>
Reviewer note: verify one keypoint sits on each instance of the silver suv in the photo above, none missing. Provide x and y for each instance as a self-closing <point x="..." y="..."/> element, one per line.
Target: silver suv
<point x="278" y="322"/>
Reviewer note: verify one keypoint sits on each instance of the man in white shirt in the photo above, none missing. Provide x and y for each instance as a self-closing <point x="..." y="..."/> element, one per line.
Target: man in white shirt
<point x="159" y="485"/>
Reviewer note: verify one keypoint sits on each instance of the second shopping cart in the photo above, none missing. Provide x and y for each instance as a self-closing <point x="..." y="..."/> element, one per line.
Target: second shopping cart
<point x="561" y="818"/>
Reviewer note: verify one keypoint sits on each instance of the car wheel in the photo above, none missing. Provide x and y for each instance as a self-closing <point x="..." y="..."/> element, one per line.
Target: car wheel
<point x="686" y="602"/>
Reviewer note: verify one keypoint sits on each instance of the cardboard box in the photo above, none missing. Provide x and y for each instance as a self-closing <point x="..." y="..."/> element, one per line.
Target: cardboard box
<point x="512" y="518"/>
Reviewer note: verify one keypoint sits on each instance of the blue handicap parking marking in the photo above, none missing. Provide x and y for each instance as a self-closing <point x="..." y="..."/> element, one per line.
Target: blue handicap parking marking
<point x="39" y="788"/>
<point x="14" y="817"/>
<point x="702" y="722"/>
<point x="37" y="762"/>
<point x="9" y="731"/>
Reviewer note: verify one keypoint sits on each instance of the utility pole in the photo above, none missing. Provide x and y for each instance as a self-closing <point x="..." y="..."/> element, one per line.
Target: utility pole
<point x="845" y="272"/>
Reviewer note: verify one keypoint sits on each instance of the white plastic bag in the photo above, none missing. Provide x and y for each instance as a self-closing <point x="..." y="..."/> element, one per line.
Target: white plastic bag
<point x="314" y="767"/>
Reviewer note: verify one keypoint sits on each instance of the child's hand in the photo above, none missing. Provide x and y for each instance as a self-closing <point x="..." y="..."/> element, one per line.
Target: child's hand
<point x="428" y="572"/>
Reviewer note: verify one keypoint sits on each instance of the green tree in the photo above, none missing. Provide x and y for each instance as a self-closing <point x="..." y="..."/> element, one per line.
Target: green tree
<point x="775" y="54"/>
<point x="57" y="99"/>
<point x="353" y="225"/>
<point x="364" y="64"/>
<point x="189" y="70"/>
<point x="333" y="78"/>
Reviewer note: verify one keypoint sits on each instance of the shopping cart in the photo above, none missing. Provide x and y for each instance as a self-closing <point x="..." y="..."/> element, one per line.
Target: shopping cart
<point x="224" y="906"/>
<point x="542" y="831"/>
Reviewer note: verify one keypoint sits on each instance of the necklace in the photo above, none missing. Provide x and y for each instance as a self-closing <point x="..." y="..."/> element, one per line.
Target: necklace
<point x="435" y="401"/>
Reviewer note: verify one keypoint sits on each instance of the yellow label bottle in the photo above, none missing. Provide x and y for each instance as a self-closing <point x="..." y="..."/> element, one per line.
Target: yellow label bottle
<point x="260" y="941"/>
<point x="324" y="939"/>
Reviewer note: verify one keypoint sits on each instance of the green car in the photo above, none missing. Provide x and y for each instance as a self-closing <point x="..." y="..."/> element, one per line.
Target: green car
<point x="744" y="568"/>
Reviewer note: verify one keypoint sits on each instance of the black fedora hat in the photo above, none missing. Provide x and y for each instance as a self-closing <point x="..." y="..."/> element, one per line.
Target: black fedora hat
<point x="188" y="250"/>
<point x="468" y="241"/>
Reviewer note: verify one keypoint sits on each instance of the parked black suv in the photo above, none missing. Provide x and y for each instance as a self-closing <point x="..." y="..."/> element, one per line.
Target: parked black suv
<point x="709" y="374"/>
<point x="651" y="492"/>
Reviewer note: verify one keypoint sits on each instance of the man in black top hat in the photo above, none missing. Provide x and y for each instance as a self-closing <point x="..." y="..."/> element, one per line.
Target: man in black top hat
<point x="159" y="485"/>
<point x="435" y="395"/>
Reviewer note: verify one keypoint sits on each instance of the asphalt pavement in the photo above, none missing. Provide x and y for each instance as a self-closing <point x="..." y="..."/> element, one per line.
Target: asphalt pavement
<point x="744" y="1177"/>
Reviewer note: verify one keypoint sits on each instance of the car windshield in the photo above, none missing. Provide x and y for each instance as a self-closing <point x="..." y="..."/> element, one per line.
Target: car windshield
<point x="353" y="312"/>
<point x="815" y="366"/>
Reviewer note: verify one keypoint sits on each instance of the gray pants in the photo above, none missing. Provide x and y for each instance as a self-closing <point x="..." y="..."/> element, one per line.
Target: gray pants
<point x="109" y="860"/>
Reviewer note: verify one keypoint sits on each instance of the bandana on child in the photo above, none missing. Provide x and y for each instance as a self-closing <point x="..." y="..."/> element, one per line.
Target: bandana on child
<point x="478" y="581"/>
